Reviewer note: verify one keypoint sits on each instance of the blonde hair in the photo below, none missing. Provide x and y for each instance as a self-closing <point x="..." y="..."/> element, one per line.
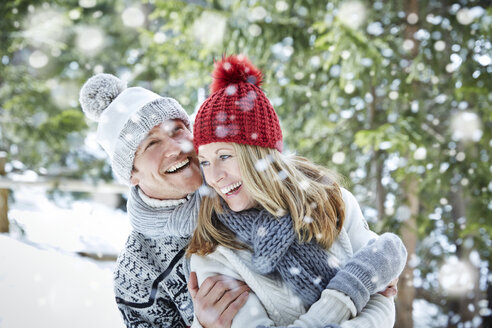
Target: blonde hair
<point x="281" y="184"/>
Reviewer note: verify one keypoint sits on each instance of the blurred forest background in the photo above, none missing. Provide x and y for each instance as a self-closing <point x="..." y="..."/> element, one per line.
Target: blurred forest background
<point x="395" y="95"/>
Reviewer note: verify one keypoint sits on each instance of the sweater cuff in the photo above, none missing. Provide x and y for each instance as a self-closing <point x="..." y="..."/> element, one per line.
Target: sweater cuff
<point x="333" y="307"/>
<point x="342" y="298"/>
<point x="351" y="286"/>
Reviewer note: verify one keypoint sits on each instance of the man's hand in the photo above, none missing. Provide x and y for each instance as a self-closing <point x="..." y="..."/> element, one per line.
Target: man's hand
<point x="391" y="290"/>
<point x="218" y="299"/>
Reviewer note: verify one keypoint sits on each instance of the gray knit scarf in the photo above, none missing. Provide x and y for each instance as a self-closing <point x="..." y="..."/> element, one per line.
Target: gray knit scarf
<point x="153" y="221"/>
<point x="305" y="267"/>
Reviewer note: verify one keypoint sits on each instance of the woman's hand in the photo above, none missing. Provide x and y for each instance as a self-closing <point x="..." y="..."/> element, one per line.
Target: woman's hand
<point x="218" y="299"/>
<point x="391" y="290"/>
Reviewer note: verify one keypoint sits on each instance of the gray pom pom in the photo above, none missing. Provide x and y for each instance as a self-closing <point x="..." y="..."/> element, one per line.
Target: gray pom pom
<point x="98" y="92"/>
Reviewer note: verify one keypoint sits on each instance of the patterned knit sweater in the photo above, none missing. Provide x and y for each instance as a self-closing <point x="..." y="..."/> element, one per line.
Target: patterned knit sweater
<point x="151" y="272"/>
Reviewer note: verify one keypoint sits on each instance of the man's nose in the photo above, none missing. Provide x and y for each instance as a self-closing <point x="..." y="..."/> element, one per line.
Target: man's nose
<point x="173" y="148"/>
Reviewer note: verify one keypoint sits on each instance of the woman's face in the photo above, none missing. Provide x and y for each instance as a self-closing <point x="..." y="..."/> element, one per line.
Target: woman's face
<point x="221" y="169"/>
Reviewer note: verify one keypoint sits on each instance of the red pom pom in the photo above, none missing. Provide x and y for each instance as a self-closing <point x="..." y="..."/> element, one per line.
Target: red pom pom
<point x="232" y="70"/>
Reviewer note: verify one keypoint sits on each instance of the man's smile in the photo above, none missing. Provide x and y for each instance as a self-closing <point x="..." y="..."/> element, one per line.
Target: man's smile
<point x="178" y="166"/>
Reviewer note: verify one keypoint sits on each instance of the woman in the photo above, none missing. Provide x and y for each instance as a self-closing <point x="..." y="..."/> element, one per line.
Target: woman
<point x="279" y="218"/>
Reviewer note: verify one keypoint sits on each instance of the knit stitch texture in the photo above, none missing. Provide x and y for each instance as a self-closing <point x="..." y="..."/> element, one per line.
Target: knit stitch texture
<point x="371" y="269"/>
<point x="125" y="117"/>
<point x="151" y="271"/>
<point x="153" y="221"/>
<point x="150" y="284"/>
<point x="238" y="110"/>
<point x="307" y="268"/>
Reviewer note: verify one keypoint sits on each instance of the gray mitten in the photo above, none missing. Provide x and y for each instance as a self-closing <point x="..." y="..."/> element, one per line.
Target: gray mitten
<point x="371" y="269"/>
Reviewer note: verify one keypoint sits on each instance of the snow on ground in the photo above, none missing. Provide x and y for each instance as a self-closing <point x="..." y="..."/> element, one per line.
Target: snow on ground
<point x="43" y="283"/>
<point x="45" y="288"/>
<point x="78" y="226"/>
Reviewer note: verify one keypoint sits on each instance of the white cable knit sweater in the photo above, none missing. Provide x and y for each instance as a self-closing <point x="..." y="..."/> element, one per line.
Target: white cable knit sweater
<point x="273" y="304"/>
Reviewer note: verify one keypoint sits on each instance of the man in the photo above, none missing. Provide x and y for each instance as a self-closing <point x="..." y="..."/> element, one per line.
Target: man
<point x="149" y="142"/>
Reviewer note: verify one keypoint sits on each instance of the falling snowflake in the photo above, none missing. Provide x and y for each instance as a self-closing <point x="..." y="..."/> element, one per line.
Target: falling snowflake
<point x="295" y="301"/>
<point x="457" y="277"/>
<point x="420" y="154"/>
<point x="254" y="311"/>
<point x="205" y="191"/>
<point x="280" y="212"/>
<point x="307" y="219"/>
<point x="90" y="39"/>
<point x="221" y="116"/>
<point x="349" y="88"/>
<point x="282" y="51"/>
<point x="186" y="146"/>
<point x="258" y="13"/>
<point x="87" y="3"/>
<point x="403" y="213"/>
<point x="294" y="271"/>
<point x="209" y="28"/>
<point x="281" y="5"/>
<point x="408" y="44"/>
<point x="456" y="61"/>
<point x="129" y="137"/>
<point x="282" y="175"/>
<point x="133" y="17"/>
<point x="254" y="30"/>
<point x="464" y="16"/>
<point x="247" y="102"/>
<point x="262" y="164"/>
<point x="45" y="27"/>
<point x="38" y="59"/>
<point x="412" y="18"/>
<point x="352" y="14"/>
<point x="261" y="232"/>
<point x="393" y="95"/>
<point x="221" y="131"/>
<point x="484" y="60"/>
<point x="231" y="89"/>
<point x="332" y="261"/>
<point x="160" y="38"/>
<point x="440" y="45"/>
<point x="135" y="117"/>
<point x="304" y="184"/>
<point x="252" y="79"/>
<point x="338" y="157"/>
<point x="466" y="126"/>
<point x="167" y="127"/>
<point x="460" y="157"/>
<point x="375" y="28"/>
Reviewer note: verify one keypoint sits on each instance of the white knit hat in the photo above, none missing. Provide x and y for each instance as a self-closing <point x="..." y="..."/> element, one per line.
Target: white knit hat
<point x="125" y="116"/>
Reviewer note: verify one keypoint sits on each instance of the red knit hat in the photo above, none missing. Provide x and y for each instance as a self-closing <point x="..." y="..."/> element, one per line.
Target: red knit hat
<point x="237" y="109"/>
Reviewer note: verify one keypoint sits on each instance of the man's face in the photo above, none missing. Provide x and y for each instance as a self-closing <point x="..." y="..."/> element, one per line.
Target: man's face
<point x="165" y="165"/>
